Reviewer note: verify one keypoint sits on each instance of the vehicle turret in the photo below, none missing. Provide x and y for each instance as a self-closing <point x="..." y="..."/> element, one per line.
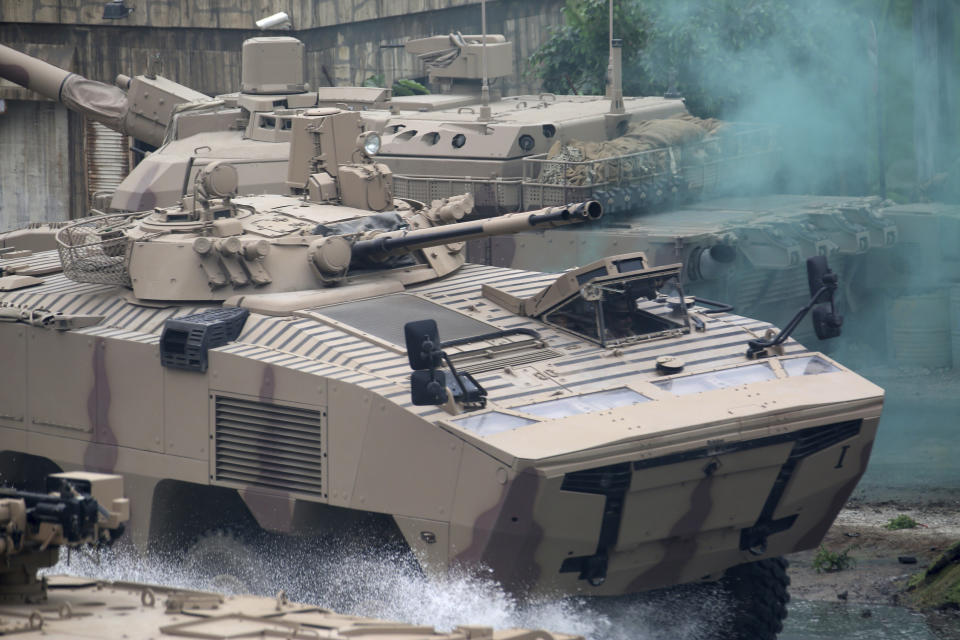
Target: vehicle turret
<point x="341" y="229"/>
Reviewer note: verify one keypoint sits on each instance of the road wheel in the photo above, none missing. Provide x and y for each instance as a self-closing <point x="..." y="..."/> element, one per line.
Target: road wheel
<point x="223" y="560"/>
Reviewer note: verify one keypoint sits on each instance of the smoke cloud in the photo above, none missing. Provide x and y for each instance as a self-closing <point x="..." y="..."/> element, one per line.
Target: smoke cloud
<point x="829" y="74"/>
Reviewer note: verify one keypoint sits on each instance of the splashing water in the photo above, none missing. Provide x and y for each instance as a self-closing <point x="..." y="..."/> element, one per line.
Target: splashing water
<point x="389" y="585"/>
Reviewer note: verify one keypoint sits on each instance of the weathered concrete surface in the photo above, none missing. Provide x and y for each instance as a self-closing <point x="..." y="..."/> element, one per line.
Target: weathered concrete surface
<point x="346" y="42"/>
<point x="34" y="176"/>
<point x="219" y="14"/>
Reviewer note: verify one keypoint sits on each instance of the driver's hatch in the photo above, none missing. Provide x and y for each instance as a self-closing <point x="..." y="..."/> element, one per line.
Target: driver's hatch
<point x="612" y="301"/>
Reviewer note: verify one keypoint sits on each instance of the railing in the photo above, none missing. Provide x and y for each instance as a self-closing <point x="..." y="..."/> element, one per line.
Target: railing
<point x="96" y="249"/>
<point x="739" y="156"/>
<point x="736" y="157"/>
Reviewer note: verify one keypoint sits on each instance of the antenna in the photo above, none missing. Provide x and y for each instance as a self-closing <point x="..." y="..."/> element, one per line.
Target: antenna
<point x="616" y="87"/>
<point x="485" y="87"/>
<point x="610" y="57"/>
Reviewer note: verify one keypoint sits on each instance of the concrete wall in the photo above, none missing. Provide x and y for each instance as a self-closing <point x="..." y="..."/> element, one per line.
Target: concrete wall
<point x="221" y="14"/>
<point x="347" y="49"/>
<point x="199" y="42"/>
<point x="34" y="163"/>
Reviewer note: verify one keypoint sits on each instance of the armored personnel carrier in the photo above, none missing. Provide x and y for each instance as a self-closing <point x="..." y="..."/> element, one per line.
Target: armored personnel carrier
<point x="248" y="359"/>
<point x="89" y="509"/>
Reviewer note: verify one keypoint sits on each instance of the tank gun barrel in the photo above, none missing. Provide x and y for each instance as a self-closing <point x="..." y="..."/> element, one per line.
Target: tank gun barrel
<point x="155" y="97"/>
<point x="394" y="242"/>
<point x="32" y="73"/>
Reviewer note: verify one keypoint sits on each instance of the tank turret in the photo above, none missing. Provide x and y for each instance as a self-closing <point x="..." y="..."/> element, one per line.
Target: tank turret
<point x="340" y="231"/>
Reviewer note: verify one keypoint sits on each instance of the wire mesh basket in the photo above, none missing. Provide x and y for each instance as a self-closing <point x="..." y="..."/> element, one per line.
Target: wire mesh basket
<point x="96" y="249"/>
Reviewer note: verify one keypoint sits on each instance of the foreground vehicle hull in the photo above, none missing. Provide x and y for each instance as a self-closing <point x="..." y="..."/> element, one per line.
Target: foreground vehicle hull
<point x="305" y="423"/>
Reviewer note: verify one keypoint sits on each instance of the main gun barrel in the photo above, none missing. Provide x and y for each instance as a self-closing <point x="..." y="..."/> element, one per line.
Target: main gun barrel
<point x="395" y="242"/>
<point x="32" y="73"/>
<point x="155" y="97"/>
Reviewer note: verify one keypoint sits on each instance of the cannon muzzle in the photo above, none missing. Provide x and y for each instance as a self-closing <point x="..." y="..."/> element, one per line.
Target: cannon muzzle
<point x="155" y="97"/>
<point x="396" y="242"/>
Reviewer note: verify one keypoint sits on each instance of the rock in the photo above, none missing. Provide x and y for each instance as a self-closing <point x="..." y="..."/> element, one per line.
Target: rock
<point x="842" y="595"/>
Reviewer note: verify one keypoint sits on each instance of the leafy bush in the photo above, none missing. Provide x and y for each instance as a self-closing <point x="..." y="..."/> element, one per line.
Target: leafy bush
<point x="902" y="521"/>
<point x="826" y="561"/>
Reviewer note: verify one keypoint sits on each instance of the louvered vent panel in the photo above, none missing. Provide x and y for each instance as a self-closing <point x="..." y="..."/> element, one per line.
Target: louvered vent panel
<point x="262" y="444"/>
<point x="512" y="361"/>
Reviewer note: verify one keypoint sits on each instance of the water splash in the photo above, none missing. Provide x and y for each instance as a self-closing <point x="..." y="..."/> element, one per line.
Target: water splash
<point x="387" y="584"/>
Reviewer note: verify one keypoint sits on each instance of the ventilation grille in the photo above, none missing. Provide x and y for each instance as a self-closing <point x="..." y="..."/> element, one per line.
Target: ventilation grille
<point x="607" y="480"/>
<point x="820" y="438"/>
<point x="261" y="444"/>
<point x="482" y="366"/>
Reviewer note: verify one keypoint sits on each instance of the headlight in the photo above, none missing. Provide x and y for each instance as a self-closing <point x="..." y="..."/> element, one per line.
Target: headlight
<point x="717" y="379"/>
<point x="370" y="141"/>
<point x="807" y="366"/>
<point x="487" y="424"/>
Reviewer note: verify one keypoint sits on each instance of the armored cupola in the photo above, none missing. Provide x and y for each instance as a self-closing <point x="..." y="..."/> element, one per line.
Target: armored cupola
<point x="273" y="87"/>
<point x="273" y="65"/>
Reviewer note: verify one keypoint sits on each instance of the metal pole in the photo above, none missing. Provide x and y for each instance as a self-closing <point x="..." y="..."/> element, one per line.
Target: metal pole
<point x="485" y="88"/>
<point x="610" y="56"/>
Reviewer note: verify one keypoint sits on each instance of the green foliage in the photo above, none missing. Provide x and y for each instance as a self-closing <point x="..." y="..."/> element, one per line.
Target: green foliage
<point x="406" y="87"/>
<point x="831" y="561"/>
<point x="716" y="53"/>
<point x="401" y="87"/>
<point x="939" y="586"/>
<point x="574" y="58"/>
<point x="902" y="521"/>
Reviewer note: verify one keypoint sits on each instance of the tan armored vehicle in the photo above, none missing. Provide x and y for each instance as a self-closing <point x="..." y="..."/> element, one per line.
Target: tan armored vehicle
<point x="34" y="526"/>
<point x="251" y="128"/>
<point x="248" y="359"/>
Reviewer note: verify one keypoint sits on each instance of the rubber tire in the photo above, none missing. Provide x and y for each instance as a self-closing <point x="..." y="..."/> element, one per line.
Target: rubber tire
<point x="224" y="560"/>
<point x="758" y="598"/>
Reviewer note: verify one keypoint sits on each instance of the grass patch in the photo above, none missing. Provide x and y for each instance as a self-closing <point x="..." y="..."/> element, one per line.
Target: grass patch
<point x="902" y="521"/>
<point x="826" y="561"/>
<point x="939" y="586"/>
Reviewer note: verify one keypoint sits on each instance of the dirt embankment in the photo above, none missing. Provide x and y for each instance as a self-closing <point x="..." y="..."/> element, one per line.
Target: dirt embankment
<point x="883" y="559"/>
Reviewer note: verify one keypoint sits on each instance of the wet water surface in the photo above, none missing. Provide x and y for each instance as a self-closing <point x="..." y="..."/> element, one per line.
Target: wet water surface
<point x="837" y="620"/>
<point x="384" y="586"/>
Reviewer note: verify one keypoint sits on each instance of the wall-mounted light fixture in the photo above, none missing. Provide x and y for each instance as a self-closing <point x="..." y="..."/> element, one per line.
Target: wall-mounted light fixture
<point x="276" y="21"/>
<point x="115" y="10"/>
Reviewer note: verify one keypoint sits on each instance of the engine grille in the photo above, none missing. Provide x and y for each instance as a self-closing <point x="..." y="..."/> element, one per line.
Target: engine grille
<point x="268" y="445"/>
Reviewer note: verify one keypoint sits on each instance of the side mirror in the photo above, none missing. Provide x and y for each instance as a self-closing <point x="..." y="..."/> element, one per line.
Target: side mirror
<point x="423" y="344"/>
<point x="428" y="387"/>
<point x="819" y="276"/>
<point x="826" y="322"/>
